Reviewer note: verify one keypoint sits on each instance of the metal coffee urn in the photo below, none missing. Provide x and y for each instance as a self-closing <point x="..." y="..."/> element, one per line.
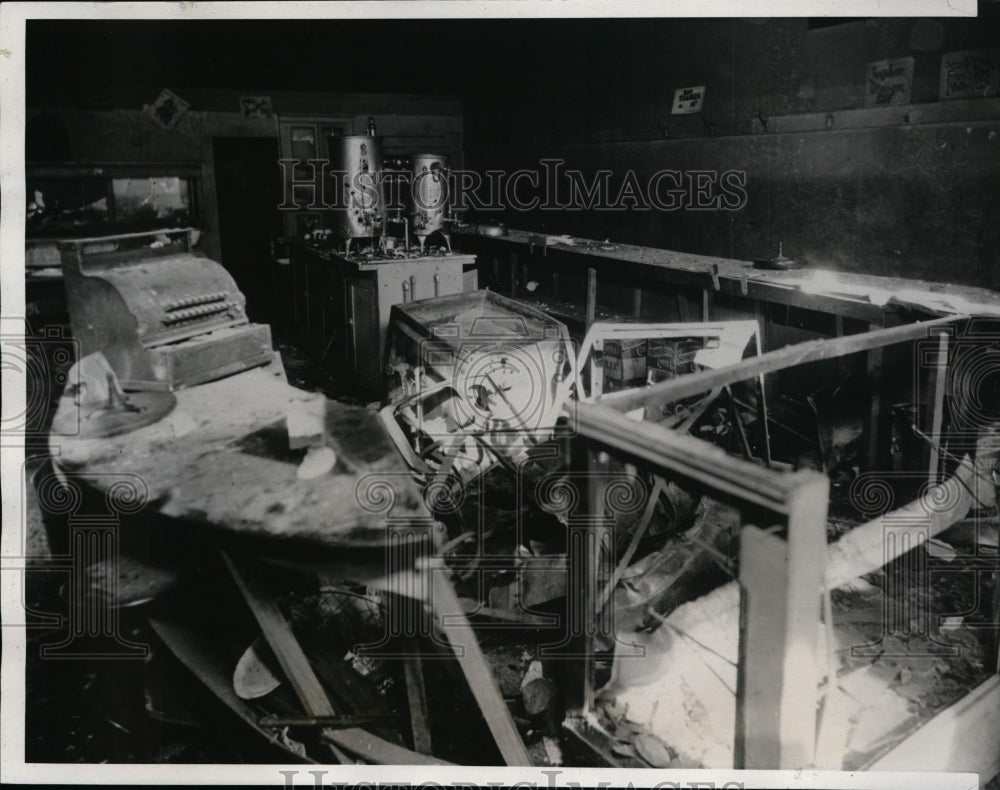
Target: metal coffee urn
<point x="429" y="192"/>
<point x="355" y="164"/>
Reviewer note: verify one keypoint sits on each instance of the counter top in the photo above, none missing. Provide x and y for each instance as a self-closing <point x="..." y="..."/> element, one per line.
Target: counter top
<point x="863" y="296"/>
<point x="371" y="263"/>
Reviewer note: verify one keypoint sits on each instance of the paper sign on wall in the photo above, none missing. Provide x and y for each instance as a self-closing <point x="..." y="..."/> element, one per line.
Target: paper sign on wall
<point x="167" y="110"/>
<point x="255" y="106"/>
<point x="688" y="100"/>
<point x="889" y="82"/>
<point x="971" y="74"/>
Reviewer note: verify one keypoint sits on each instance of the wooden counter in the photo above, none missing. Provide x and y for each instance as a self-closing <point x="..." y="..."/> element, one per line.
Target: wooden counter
<point x="581" y="280"/>
<point x="629" y="264"/>
<point x="342" y="305"/>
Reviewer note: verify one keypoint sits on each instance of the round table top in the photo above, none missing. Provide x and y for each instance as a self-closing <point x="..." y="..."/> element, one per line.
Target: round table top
<point x="222" y="458"/>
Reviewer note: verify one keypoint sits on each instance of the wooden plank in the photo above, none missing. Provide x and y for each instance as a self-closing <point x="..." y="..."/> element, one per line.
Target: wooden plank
<point x="843" y="364"/>
<point x="737" y="423"/>
<point x="377" y="750"/>
<point x="873" y="409"/>
<point x="995" y="620"/>
<point x="979" y="109"/>
<point x="764" y="581"/>
<point x="333" y="722"/>
<point x="591" y="297"/>
<point x="601" y="745"/>
<point x="776" y="705"/>
<point x="686" y="455"/>
<point x="639" y="530"/>
<point x="963" y="737"/>
<point x="771" y="361"/>
<point x="697" y="411"/>
<point x="576" y="639"/>
<point x="208" y="662"/>
<point x="596" y="370"/>
<point x="764" y="418"/>
<point x="938" y="379"/>
<point x="706" y="305"/>
<point x="807" y="522"/>
<point x="865" y="549"/>
<point x="121" y="236"/>
<point x="762" y="316"/>
<point x="683" y="307"/>
<point x="416" y="695"/>
<point x="595" y="536"/>
<point x="282" y="641"/>
<point x="301" y="677"/>
<point x="834" y="727"/>
<point x="285" y="647"/>
<point x="765" y="389"/>
<point x="460" y="635"/>
<point x="637" y="302"/>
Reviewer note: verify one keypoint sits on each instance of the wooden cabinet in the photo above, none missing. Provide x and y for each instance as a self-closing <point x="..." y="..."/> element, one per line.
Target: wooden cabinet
<point x="341" y="307"/>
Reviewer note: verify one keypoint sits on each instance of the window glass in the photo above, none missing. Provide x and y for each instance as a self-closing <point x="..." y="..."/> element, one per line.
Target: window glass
<point x="95" y="205"/>
<point x="152" y="201"/>
<point x="303" y="149"/>
<point x="64" y="205"/>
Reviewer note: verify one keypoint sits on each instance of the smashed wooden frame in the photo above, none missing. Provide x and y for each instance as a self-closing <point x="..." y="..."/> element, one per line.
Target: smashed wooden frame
<point x="733" y="338"/>
<point x="776" y="723"/>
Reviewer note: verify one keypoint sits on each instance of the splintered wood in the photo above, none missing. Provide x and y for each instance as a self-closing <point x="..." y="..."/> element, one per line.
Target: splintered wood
<point x="681" y="685"/>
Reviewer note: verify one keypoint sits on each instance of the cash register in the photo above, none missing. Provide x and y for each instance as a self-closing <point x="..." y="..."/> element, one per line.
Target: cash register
<point x="164" y="316"/>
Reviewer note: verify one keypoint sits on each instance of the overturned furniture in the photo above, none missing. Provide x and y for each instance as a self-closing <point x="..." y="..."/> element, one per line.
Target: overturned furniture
<point x="479" y="379"/>
<point x="706" y="693"/>
<point x="736" y="677"/>
<point x="356" y="531"/>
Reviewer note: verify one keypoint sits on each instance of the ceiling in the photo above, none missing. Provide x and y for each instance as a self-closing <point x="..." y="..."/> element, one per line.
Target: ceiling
<point x="83" y="63"/>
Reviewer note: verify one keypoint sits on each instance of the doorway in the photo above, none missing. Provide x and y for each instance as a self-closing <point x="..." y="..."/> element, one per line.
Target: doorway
<point x="248" y="191"/>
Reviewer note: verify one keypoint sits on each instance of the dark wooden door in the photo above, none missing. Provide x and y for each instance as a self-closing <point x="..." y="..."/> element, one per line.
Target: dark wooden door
<point x="248" y="191"/>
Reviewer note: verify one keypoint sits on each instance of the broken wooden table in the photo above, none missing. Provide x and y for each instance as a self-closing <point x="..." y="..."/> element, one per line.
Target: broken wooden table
<point x="221" y="460"/>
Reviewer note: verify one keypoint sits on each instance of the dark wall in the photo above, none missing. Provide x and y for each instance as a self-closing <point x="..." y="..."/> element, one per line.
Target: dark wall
<point x="57" y="135"/>
<point x="909" y="191"/>
<point x="896" y="200"/>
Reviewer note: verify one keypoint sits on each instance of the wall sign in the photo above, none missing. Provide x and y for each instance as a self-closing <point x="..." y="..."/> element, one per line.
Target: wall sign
<point x="688" y="100"/>
<point x="167" y="110"/>
<point x="889" y="82"/>
<point x="255" y="106"/>
<point x="971" y="74"/>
